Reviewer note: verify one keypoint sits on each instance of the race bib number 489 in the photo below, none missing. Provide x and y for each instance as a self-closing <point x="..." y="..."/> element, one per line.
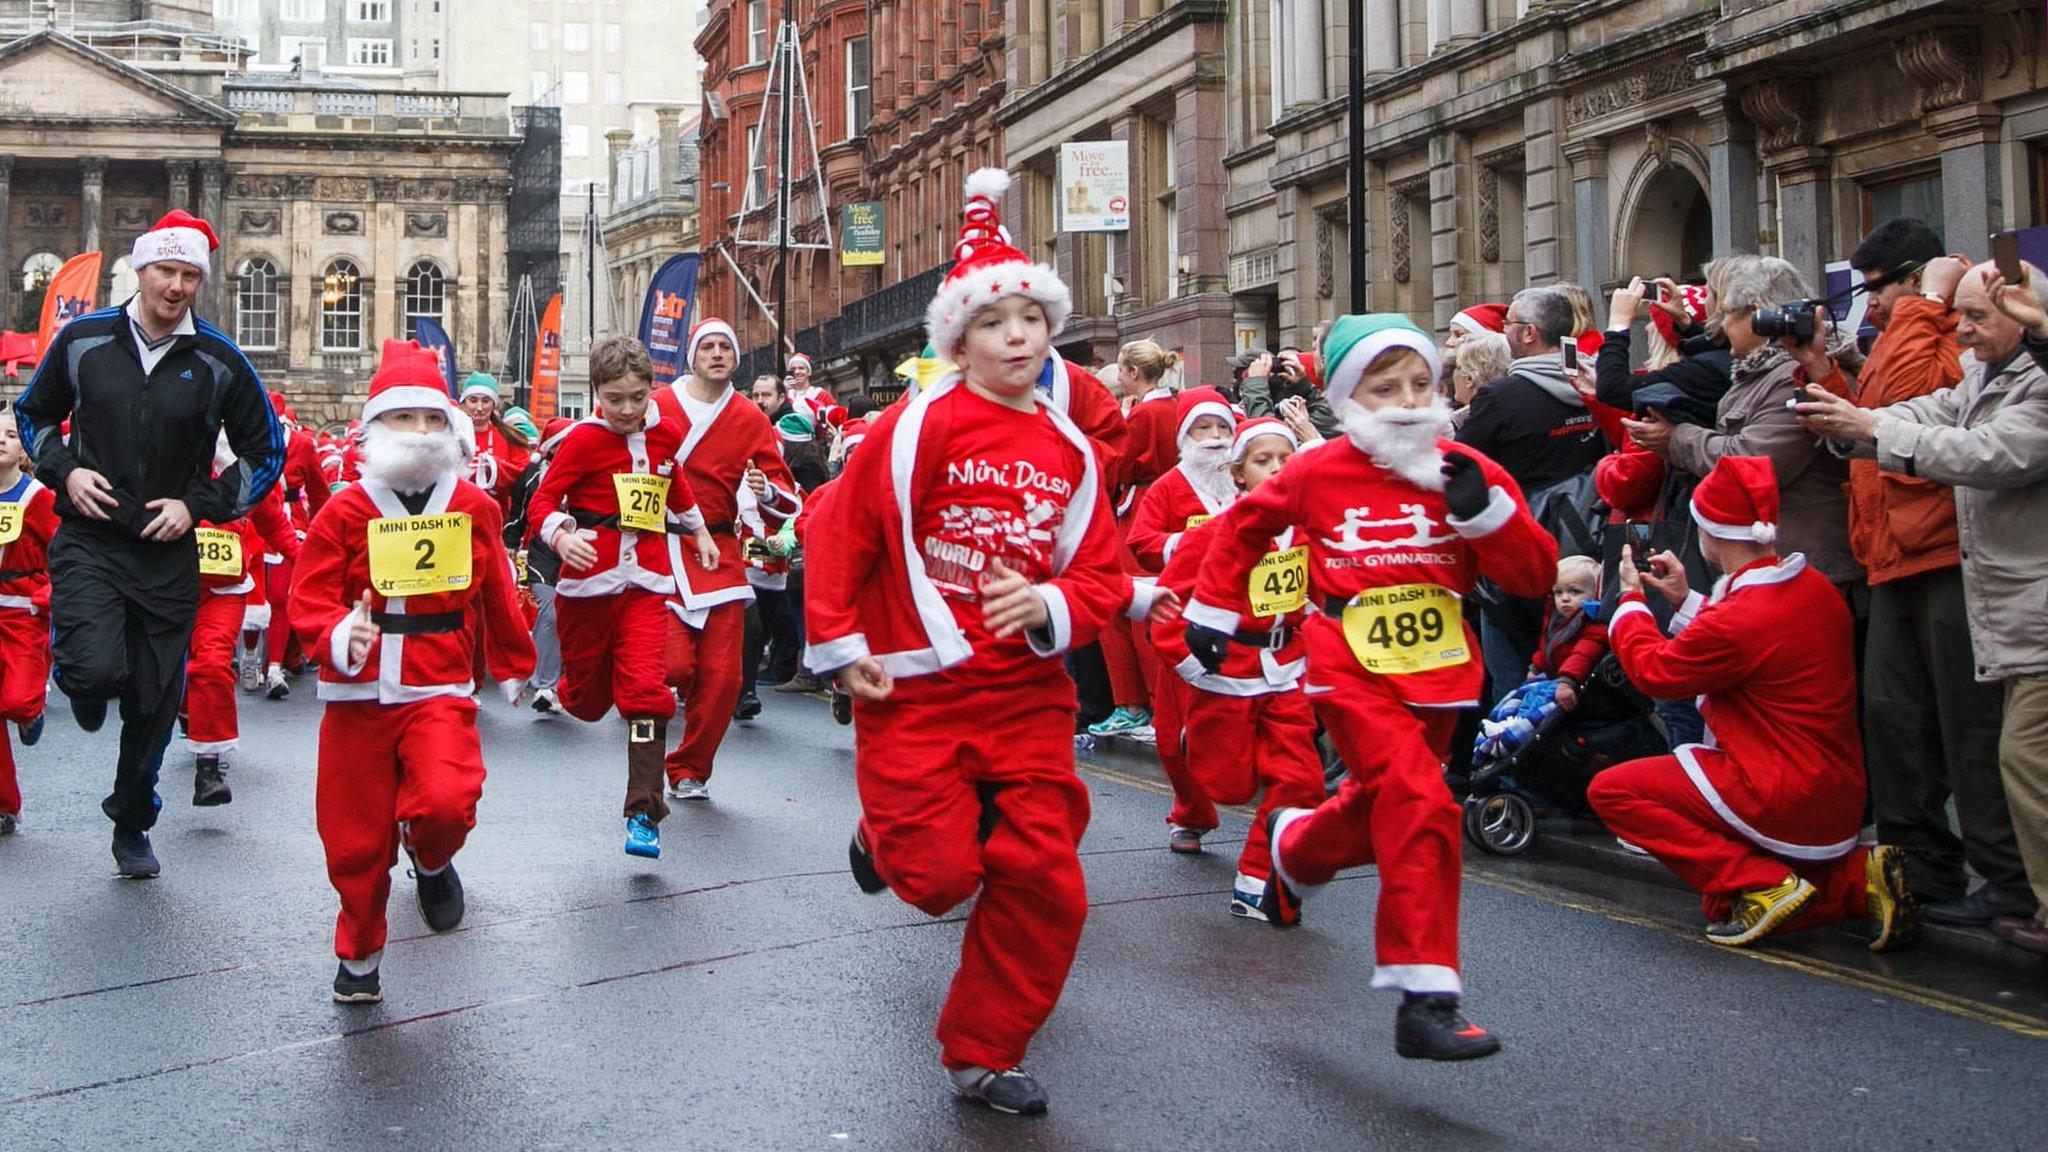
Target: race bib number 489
<point x="419" y="555"/>
<point x="1406" y="628"/>
<point x="12" y="514"/>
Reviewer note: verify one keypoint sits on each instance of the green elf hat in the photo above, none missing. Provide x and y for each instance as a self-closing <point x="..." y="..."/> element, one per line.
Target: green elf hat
<point x="517" y="418"/>
<point x="795" y="428"/>
<point x="479" y="384"/>
<point x="1354" y="342"/>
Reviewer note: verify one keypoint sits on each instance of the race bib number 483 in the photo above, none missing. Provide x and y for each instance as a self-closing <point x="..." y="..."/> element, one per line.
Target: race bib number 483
<point x="12" y="514"/>
<point x="1406" y="628"/>
<point x="220" y="551"/>
<point x="419" y="555"/>
<point x="643" y="501"/>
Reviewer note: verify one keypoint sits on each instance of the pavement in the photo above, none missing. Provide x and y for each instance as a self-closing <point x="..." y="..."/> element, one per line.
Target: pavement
<point x="740" y="993"/>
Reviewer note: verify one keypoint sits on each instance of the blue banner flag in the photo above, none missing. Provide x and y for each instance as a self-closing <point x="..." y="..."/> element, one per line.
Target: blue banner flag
<point x="665" y="317"/>
<point x="434" y="338"/>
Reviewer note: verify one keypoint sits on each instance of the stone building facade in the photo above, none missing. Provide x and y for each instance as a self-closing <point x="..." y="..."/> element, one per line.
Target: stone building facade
<point x="1512" y="142"/>
<point x="1152" y="73"/>
<point x="343" y="213"/>
<point x="652" y="211"/>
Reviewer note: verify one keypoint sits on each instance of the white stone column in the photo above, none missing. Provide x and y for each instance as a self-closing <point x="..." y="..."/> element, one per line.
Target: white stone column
<point x="92" y="171"/>
<point x="1468" y="19"/>
<point x="1305" y="51"/>
<point x="1731" y="178"/>
<point x="1382" y="35"/>
<point x="1594" y="246"/>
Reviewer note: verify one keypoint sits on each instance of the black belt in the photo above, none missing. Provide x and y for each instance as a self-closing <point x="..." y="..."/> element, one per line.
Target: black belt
<point x="7" y="574"/>
<point x="1263" y="637"/>
<point x="728" y="528"/>
<point x="419" y="623"/>
<point x="1335" y="605"/>
<point x="593" y="520"/>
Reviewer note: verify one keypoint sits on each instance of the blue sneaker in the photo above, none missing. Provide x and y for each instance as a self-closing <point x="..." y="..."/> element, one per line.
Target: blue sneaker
<point x="31" y="731"/>
<point x="643" y="838"/>
<point x="1123" y="719"/>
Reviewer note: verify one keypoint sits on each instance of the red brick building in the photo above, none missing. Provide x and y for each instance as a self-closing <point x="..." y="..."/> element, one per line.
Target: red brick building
<point x="904" y="94"/>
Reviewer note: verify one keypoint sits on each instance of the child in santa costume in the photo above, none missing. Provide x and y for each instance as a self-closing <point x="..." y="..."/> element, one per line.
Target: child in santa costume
<point x="1762" y="820"/>
<point x="1248" y="727"/>
<point x="389" y="571"/>
<point x="1196" y="488"/>
<point x="231" y="562"/>
<point x="305" y="486"/>
<point x="611" y="506"/>
<point x="1148" y="451"/>
<point x="726" y="442"/>
<point x="28" y="518"/>
<point x="968" y="544"/>
<point x="1399" y="523"/>
<point x="500" y="457"/>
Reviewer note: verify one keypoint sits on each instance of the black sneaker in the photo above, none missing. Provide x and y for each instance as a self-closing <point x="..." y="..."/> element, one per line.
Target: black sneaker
<point x="31" y="731"/>
<point x="1280" y="903"/>
<point x="1978" y="909"/>
<point x="209" y="783"/>
<point x="8" y="822"/>
<point x="1012" y="1090"/>
<point x="440" y="896"/>
<point x="748" y="707"/>
<point x="1430" y="1027"/>
<point x="132" y="855"/>
<point x="862" y="863"/>
<point x="90" y="712"/>
<point x="350" y="988"/>
<point x="842" y="708"/>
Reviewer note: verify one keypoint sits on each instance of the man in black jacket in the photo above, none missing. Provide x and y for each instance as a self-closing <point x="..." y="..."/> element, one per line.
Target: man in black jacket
<point x="148" y="388"/>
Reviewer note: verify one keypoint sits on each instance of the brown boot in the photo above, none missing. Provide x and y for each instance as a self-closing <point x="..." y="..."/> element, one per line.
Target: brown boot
<point x="646" y="744"/>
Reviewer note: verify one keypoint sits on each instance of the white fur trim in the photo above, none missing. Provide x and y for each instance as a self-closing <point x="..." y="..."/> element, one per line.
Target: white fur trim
<point x="1251" y="430"/>
<point x="832" y="655"/>
<point x="1209" y="616"/>
<point x="337" y="647"/>
<point x="959" y="298"/>
<point x="1418" y="978"/>
<point x="1500" y="508"/>
<point x="179" y="245"/>
<point x="479" y="388"/>
<point x="1688" y="757"/>
<point x="711" y="327"/>
<point x="689" y="519"/>
<point x="1755" y="532"/>
<point x="1145" y="592"/>
<point x="1631" y="608"/>
<point x="987" y="184"/>
<point x="1058" y="634"/>
<point x="1205" y="408"/>
<point x="211" y="747"/>
<point x="1341" y="379"/>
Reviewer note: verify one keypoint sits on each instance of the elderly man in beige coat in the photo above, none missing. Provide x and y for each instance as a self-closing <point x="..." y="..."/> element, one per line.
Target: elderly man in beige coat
<point x="1988" y="438"/>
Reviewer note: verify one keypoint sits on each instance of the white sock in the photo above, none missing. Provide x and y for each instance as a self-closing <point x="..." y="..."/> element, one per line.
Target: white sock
<point x="365" y="966"/>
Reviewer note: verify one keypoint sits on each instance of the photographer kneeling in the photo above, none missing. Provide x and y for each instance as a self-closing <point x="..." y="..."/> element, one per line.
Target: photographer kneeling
<point x="1764" y="823"/>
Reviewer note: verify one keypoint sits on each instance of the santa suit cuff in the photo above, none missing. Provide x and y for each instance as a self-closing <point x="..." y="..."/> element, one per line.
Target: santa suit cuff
<point x="512" y="690"/>
<point x="1500" y="508"/>
<point x="1687" y="610"/>
<point x="1209" y="616"/>
<point x="829" y="657"/>
<point x="1632" y="604"/>
<point x="1058" y="632"/>
<point x="1144" y="594"/>
<point x="337" y="645"/>
<point x="256" y="615"/>
<point x="689" y="519"/>
<point x="783" y="504"/>
<point x="1172" y="541"/>
<point x="556" y="522"/>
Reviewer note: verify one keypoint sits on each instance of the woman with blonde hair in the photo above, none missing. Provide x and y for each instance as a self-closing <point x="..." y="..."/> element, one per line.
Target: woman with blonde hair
<point x="1145" y="378"/>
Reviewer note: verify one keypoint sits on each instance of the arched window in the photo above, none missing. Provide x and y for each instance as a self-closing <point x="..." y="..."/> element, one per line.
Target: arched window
<point x="256" y="296"/>
<point x="426" y="295"/>
<point x="341" y="307"/>
<point x="122" y="281"/>
<point x="36" y="273"/>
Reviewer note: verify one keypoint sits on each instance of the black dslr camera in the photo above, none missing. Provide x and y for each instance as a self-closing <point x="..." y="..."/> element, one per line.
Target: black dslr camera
<point x="1794" y="318"/>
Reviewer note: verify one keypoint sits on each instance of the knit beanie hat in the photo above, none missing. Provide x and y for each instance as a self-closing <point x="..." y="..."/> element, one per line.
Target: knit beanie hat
<point x="479" y="384"/>
<point x="795" y="428"/>
<point x="987" y="268"/>
<point x="1354" y="342"/>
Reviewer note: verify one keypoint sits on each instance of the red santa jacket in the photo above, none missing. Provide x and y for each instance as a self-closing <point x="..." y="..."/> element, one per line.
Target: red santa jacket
<point x="265" y="529"/>
<point x="401" y="668"/>
<point x="25" y="562"/>
<point x="1570" y="646"/>
<point x="1369" y="529"/>
<point x="304" y="481"/>
<point x="1270" y="658"/>
<point x="871" y="587"/>
<point x="578" y="491"/>
<point x="1772" y="658"/>
<point x="1168" y="509"/>
<point x="1149" y="445"/>
<point x="719" y="439"/>
<point x="1076" y="392"/>
<point x="497" y="464"/>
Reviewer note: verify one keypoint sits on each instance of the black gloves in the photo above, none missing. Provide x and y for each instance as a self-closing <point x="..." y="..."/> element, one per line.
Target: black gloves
<point x="1465" y="488"/>
<point x="1209" y="646"/>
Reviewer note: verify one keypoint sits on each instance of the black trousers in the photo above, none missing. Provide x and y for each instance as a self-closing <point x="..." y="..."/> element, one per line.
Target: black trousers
<point x="770" y="630"/>
<point x="1931" y="732"/>
<point x="121" y="611"/>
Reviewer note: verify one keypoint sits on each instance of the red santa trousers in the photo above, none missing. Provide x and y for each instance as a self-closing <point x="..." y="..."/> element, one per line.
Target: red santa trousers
<point x="1393" y="808"/>
<point x="1652" y="804"/>
<point x="1192" y="807"/>
<point x="24" y="675"/>
<point x="281" y="641"/>
<point x="704" y="669"/>
<point x="418" y="766"/>
<point x="924" y="776"/>
<point x="210" y="720"/>
<point x="1125" y="649"/>
<point x="612" y="654"/>
<point x="1238" y="745"/>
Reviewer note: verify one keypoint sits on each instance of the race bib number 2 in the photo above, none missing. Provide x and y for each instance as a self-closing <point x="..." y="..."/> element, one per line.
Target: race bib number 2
<point x="1406" y="628"/>
<point x="12" y="514"/>
<point x="419" y="555"/>
<point x="643" y="501"/>
<point x="220" y="551"/>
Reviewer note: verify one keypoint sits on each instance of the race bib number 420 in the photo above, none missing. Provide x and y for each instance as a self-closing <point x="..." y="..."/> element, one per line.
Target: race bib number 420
<point x="12" y="514"/>
<point x="1406" y="628"/>
<point x="419" y="555"/>
<point x="220" y="551"/>
<point x="1280" y="583"/>
<point x="643" y="501"/>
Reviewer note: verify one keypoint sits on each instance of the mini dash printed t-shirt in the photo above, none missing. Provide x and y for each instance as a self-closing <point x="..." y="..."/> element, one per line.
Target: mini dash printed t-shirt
<point x="1000" y="491"/>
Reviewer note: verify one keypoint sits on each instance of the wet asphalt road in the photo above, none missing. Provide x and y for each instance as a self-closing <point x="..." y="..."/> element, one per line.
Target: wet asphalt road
<point x="741" y="994"/>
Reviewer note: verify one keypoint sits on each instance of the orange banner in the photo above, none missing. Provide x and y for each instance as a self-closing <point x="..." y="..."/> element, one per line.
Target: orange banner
<point x="547" y="362"/>
<point x="72" y="292"/>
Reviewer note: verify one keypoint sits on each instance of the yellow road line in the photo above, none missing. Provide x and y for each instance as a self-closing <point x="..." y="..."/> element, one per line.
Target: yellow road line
<point x="2015" y="1022"/>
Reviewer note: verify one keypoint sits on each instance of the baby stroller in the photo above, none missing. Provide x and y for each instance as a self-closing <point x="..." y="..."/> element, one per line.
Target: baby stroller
<point x="1535" y="758"/>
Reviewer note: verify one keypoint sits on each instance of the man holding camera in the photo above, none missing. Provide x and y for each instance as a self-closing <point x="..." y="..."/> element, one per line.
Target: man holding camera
<point x="1930" y="726"/>
<point x="1268" y="383"/>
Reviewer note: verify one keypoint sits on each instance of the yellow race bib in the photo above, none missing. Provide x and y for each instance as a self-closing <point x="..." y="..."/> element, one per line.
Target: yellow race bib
<point x="1407" y="628"/>
<point x="1280" y="583"/>
<point x="1195" y="522"/>
<point x="519" y="565"/>
<point x="643" y="501"/>
<point x="419" y="555"/>
<point x="220" y="552"/>
<point x="12" y="515"/>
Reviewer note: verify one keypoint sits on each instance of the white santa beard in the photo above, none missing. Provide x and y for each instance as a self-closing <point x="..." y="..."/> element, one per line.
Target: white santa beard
<point x="409" y="461"/>
<point x="1206" y="464"/>
<point x="1401" y="440"/>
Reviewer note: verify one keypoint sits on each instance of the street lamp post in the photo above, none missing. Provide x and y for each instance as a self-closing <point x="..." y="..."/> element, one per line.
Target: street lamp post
<point x="1355" y="161"/>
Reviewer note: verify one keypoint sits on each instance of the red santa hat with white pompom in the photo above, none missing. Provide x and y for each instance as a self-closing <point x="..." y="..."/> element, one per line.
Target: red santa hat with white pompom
<point x="1739" y="500"/>
<point x="987" y="268"/>
<point x="176" y="236"/>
